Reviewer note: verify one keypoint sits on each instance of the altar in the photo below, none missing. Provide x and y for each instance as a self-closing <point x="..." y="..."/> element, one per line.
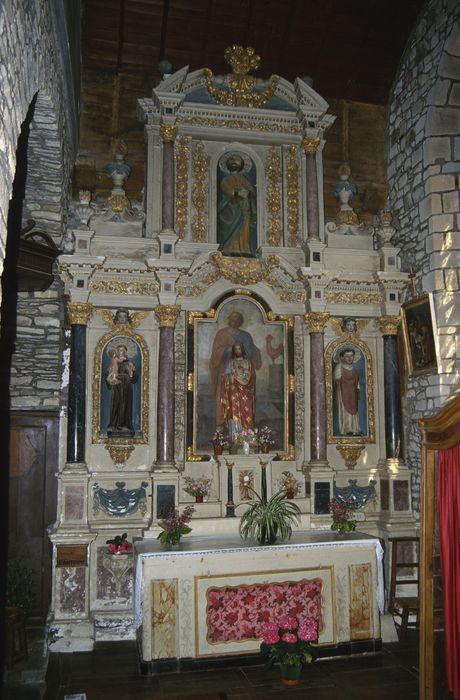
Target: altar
<point x="210" y="596"/>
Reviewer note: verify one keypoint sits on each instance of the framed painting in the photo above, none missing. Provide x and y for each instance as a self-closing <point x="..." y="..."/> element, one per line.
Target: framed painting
<point x="420" y="335"/>
<point x="349" y="392"/>
<point x="120" y="385"/>
<point x="240" y="357"/>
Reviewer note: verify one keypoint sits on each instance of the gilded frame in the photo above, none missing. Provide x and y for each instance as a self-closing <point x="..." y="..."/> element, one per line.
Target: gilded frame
<point x="350" y="340"/>
<point x="420" y="335"/>
<point x="201" y="334"/>
<point x="120" y="331"/>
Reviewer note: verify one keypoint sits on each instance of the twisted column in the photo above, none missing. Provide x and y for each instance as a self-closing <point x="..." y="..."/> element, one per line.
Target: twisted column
<point x="167" y="316"/>
<point x="79" y="314"/>
<point x="389" y="328"/>
<point x="310" y="145"/>
<point x="316" y="322"/>
<point x="168" y="133"/>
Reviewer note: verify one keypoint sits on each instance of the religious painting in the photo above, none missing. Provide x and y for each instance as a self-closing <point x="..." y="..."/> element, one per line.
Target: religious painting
<point x="239" y="367"/>
<point x="120" y="384"/>
<point x="420" y="335"/>
<point x="237" y="204"/>
<point x="350" y="403"/>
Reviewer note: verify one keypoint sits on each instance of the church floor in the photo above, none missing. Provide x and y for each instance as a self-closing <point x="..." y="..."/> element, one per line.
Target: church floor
<point x="112" y="671"/>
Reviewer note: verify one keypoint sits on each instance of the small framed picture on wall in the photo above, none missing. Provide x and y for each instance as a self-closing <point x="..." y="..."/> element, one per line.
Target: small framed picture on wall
<point x="420" y="335"/>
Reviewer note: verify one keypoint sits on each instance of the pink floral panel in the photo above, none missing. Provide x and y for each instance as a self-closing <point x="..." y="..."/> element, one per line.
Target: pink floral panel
<point x="236" y="613"/>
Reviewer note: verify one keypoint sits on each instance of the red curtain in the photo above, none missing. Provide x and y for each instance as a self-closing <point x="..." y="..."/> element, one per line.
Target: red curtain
<point x="448" y="494"/>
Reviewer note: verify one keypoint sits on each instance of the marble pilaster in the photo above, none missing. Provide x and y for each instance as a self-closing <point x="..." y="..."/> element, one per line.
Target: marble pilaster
<point x="79" y="315"/>
<point x="168" y="133"/>
<point x="316" y="322"/>
<point x="389" y="327"/>
<point x="167" y="317"/>
<point x="310" y="145"/>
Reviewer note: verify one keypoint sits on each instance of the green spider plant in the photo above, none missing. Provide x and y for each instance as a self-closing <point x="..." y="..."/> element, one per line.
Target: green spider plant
<point x="267" y="519"/>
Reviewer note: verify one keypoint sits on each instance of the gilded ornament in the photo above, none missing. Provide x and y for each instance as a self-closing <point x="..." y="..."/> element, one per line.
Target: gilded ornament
<point x="243" y="124"/>
<point x="118" y="202"/>
<point x="199" y="193"/>
<point x="168" y="132"/>
<point x="110" y="319"/>
<point x="273" y="176"/>
<point x="292" y="170"/>
<point x="167" y="315"/>
<point x="316" y="321"/>
<point x="191" y="457"/>
<point x="244" y="292"/>
<point x="79" y="312"/>
<point x="119" y="453"/>
<point x="190" y="382"/>
<point x="246" y="484"/>
<point x="182" y="157"/>
<point x="354" y="297"/>
<point x="310" y="144"/>
<point x="350" y="454"/>
<point x="350" y="218"/>
<point x="337" y="324"/>
<point x="244" y="270"/>
<point x="242" y="91"/>
<point x="133" y="288"/>
<point x="291" y="383"/>
<point x="289" y="320"/>
<point x="389" y="324"/>
<point x="290" y="455"/>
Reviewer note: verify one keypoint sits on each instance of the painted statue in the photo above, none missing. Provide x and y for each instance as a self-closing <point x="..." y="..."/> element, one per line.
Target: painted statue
<point x="236" y="205"/>
<point x="121" y="375"/>
<point x="347" y="392"/>
<point x="237" y="392"/>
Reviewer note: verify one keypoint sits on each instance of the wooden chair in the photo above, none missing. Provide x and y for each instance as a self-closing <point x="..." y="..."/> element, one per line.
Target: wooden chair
<point x="404" y="575"/>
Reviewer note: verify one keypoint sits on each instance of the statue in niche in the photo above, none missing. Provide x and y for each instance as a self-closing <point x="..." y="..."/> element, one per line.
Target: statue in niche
<point x="236" y="205"/>
<point x="347" y="391"/>
<point x="121" y="375"/>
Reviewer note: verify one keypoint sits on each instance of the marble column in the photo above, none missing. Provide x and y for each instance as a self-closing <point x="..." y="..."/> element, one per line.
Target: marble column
<point x="389" y="328"/>
<point x="167" y="316"/>
<point x="79" y="314"/>
<point x="310" y="145"/>
<point x="168" y="133"/>
<point x="316" y="322"/>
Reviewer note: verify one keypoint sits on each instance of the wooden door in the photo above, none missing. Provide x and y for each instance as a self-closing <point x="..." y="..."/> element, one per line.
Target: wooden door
<point x="32" y="497"/>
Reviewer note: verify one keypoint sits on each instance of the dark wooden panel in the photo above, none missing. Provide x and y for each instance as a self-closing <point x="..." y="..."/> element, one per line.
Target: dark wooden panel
<point x="32" y="497"/>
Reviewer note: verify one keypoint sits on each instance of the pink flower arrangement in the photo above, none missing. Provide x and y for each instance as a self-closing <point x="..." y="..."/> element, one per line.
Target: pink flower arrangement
<point x="174" y="525"/>
<point x="342" y="516"/>
<point x="288" y="640"/>
<point x="197" y="487"/>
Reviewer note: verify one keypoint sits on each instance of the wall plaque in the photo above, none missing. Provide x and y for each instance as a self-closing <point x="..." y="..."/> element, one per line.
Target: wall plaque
<point x="71" y="555"/>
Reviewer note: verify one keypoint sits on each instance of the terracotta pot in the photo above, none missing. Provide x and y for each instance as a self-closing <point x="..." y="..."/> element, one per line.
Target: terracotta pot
<point x="290" y="494"/>
<point x="198" y="499"/>
<point x="218" y="449"/>
<point x="264" y="449"/>
<point x="290" y="675"/>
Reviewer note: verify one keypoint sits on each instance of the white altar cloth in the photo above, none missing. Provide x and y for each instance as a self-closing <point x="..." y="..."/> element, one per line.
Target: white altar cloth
<point x="156" y="562"/>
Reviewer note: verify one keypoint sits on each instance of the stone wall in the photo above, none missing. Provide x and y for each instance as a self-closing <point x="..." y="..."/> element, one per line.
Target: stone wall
<point x="34" y="58"/>
<point x="423" y="167"/>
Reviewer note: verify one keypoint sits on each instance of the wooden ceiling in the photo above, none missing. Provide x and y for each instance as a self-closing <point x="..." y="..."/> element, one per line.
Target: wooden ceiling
<point x="351" y="48"/>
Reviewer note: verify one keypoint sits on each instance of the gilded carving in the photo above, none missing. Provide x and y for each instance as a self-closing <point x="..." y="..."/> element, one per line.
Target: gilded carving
<point x="79" y="312"/>
<point x="118" y="287"/>
<point x="243" y="124"/>
<point x="186" y="288"/>
<point x="271" y="316"/>
<point x="341" y="327"/>
<point x="291" y="383"/>
<point x="182" y="157"/>
<point x="244" y="270"/>
<point x="273" y="175"/>
<point x="190" y="381"/>
<point x="199" y="194"/>
<point x="353" y="297"/>
<point x="310" y="144"/>
<point x="244" y="292"/>
<point x="168" y="132"/>
<point x="192" y="315"/>
<point x="119" y="453"/>
<point x="191" y="457"/>
<point x="124" y="330"/>
<point x="292" y="170"/>
<point x="111" y="320"/>
<point x="289" y="456"/>
<point x="118" y="203"/>
<point x="242" y="91"/>
<point x="350" y="454"/>
<point x="316" y="321"/>
<point x="167" y="315"/>
<point x="246" y="484"/>
<point x="389" y="324"/>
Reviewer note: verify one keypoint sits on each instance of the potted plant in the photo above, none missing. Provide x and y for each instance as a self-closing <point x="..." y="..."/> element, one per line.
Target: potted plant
<point x="342" y="516"/>
<point x="119" y="544"/>
<point x="20" y="593"/>
<point x="219" y="440"/>
<point x="267" y="519"/>
<point x="265" y="438"/>
<point x="289" y="484"/>
<point x="174" y="525"/>
<point x="199" y="488"/>
<point x="288" y="641"/>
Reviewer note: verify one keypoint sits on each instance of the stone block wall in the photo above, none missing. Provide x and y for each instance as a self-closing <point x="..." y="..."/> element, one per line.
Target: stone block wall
<point x="423" y="169"/>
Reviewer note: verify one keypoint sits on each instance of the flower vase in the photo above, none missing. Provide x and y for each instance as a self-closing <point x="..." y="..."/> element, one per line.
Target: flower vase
<point x="218" y="449"/>
<point x="264" y="449"/>
<point x="198" y="499"/>
<point x="290" y="675"/>
<point x="290" y="494"/>
<point x="246" y="447"/>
